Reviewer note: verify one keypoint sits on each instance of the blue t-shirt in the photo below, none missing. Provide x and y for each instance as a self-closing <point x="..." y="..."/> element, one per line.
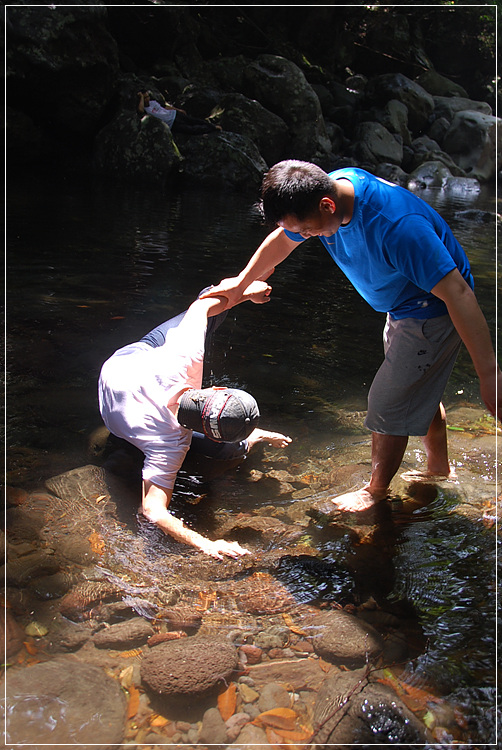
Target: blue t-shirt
<point x="395" y="248"/>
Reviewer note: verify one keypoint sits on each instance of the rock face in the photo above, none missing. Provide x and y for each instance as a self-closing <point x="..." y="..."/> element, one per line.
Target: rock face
<point x="188" y="668"/>
<point x="74" y="74"/>
<point x="78" y="702"/>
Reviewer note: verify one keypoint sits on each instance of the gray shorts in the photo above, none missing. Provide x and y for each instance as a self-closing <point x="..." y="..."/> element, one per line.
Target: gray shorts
<point x="408" y="387"/>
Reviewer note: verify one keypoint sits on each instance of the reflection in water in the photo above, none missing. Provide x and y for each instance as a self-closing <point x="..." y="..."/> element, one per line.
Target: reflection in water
<point x="95" y="268"/>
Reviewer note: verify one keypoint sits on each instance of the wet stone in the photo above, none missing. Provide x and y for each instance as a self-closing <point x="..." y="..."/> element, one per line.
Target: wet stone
<point x="213" y="730"/>
<point x="124" y="635"/>
<point x="371" y="714"/>
<point x="252" y="738"/>
<point x="344" y="640"/>
<point x="189" y="667"/>
<point x="272" y="696"/>
<point x="64" y="701"/>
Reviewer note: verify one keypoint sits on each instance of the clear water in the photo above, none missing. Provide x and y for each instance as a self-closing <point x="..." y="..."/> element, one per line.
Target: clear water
<point x="91" y="267"/>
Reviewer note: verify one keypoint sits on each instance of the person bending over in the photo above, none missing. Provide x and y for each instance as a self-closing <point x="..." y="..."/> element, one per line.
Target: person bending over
<point x="403" y="258"/>
<point x="150" y="394"/>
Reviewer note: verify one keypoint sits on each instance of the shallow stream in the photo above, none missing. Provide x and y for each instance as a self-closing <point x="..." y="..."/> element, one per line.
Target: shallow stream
<point x="91" y="267"/>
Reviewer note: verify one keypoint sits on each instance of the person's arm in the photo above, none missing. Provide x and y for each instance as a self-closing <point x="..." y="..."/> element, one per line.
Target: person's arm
<point x="141" y="103"/>
<point x="154" y="507"/>
<point x="273" y="250"/>
<point x="472" y="327"/>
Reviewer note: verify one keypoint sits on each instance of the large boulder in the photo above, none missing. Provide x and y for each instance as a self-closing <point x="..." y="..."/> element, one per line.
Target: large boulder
<point x="188" y="668"/>
<point x="471" y="140"/>
<point x="435" y="174"/>
<point x="425" y="149"/>
<point x="281" y="87"/>
<point x="394" y="117"/>
<point x="64" y="702"/>
<point x="136" y="148"/>
<point x="62" y="64"/>
<point x="238" y="114"/>
<point x="418" y="101"/>
<point x="374" y="144"/>
<point x="222" y="160"/>
<point x="438" y="85"/>
<point x="448" y="106"/>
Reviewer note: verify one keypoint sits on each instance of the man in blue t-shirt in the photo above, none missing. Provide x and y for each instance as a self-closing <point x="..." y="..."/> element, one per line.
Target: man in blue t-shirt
<point x="402" y="257"/>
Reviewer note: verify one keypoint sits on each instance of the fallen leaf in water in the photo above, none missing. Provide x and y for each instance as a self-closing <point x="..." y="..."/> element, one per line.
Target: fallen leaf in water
<point x="415" y="698"/>
<point x="227" y="702"/>
<point x="277" y="718"/>
<point x="36" y="629"/>
<point x="325" y="665"/>
<point x="291" y="625"/>
<point x="126" y="676"/>
<point x="159" y="721"/>
<point x="30" y="647"/>
<point x="206" y="599"/>
<point x="117" y="317"/>
<point x="133" y="705"/>
<point x="97" y="543"/>
<point x="129" y="654"/>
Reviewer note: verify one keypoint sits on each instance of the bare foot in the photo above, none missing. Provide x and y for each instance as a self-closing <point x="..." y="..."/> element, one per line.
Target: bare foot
<point x="272" y="438"/>
<point x="359" y="500"/>
<point x="416" y="475"/>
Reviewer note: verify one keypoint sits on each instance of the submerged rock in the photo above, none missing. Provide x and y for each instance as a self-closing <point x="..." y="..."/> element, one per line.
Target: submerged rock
<point x="124" y="635"/>
<point x="188" y="668"/>
<point x="349" y="711"/>
<point x="64" y="702"/>
<point x="343" y="639"/>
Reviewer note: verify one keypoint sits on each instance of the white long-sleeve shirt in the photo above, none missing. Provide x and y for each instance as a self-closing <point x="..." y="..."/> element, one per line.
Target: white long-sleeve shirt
<point x="139" y="388"/>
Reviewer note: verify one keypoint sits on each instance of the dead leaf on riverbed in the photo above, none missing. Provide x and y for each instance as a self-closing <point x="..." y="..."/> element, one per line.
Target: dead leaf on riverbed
<point x="277" y="718"/>
<point x="416" y="699"/>
<point x="97" y="543"/>
<point x="291" y="625"/>
<point x="227" y="702"/>
<point x="133" y="704"/>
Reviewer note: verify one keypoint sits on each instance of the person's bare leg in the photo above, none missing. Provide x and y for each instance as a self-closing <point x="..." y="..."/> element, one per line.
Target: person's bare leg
<point x="436" y="450"/>
<point x="387" y="452"/>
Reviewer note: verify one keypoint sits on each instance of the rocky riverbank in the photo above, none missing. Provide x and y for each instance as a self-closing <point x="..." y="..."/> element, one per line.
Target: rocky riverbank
<point x="79" y="70"/>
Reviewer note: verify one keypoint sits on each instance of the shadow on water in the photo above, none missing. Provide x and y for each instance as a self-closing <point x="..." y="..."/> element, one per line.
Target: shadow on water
<point x="96" y="268"/>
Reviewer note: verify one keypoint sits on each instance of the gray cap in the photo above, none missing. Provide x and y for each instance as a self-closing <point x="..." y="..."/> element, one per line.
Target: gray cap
<point x="225" y="414"/>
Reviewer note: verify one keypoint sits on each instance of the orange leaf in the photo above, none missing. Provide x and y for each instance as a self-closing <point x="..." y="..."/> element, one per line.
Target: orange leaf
<point x="295" y="735"/>
<point x="133" y="652"/>
<point x="415" y="698"/>
<point x="133" y="705"/>
<point x="97" y="543"/>
<point x="274" y="738"/>
<point x="291" y="625"/>
<point x="30" y="647"/>
<point x="277" y="718"/>
<point x="227" y="702"/>
<point x="159" y="721"/>
<point x="325" y="665"/>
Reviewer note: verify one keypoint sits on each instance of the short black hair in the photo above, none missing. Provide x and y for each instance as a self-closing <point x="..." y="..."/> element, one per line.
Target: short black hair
<point x="295" y="188"/>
